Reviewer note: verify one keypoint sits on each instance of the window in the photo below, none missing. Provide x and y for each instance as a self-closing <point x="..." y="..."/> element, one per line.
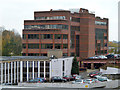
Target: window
<point x="33" y="36"/>
<point x="99" y="35"/>
<point x="105" y="51"/>
<point x="100" y="23"/>
<point x="65" y="36"/>
<point x="23" y="46"/>
<point x="46" y="46"/>
<point x="77" y="45"/>
<point x="58" y="36"/>
<point x="57" y="46"/>
<point x="43" y="54"/>
<point x="65" y="46"/>
<point x="75" y="19"/>
<point x="47" y="66"/>
<point x="23" y="54"/>
<point x="46" y="36"/>
<point x="33" y="46"/>
<point x="42" y="66"/>
<point x="105" y="44"/>
<point x="33" y="54"/>
<point x="72" y="54"/>
<point x="65" y="54"/>
<point x="56" y="26"/>
<point x="50" y="18"/>
<point x="24" y="36"/>
<point x="63" y="65"/>
<point x="75" y="28"/>
<point x="105" y="37"/>
<point x="101" y="51"/>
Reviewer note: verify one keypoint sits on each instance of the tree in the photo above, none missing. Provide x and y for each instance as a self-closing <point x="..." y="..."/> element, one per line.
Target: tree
<point x="75" y="66"/>
<point x="11" y="43"/>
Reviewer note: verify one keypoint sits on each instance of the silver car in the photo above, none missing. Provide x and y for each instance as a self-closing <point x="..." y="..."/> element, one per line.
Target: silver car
<point x="77" y="81"/>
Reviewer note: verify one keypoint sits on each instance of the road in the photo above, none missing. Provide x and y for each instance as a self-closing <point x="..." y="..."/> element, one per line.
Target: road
<point x="34" y="88"/>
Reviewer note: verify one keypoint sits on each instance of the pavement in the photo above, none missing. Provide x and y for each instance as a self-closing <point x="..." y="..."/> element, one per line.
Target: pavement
<point x="34" y="88"/>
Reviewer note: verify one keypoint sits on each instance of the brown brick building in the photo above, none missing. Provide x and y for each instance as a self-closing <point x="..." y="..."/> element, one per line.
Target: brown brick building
<point x="74" y="32"/>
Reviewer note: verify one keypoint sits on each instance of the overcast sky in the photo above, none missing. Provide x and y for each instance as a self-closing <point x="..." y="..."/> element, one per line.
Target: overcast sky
<point x="14" y="12"/>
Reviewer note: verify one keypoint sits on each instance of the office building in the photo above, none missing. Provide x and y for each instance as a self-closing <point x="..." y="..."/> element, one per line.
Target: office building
<point x="75" y="32"/>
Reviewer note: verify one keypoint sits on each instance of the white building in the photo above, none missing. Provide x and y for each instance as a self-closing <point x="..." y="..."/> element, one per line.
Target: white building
<point x="23" y="68"/>
<point x="110" y="70"/>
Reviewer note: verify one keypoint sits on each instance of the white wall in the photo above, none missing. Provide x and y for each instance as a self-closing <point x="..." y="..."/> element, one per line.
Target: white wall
<point x="57" y="66"/>
<point x="110" y="70"/>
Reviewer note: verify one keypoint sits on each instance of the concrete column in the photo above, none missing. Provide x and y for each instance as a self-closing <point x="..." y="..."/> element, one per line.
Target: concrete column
<point x="11" y="71"/>
<point x="27" y="70"/>
<point x="5" y="72"/>
<point x="17" y="71"/>
<point x="2" y="72"/>
<point x="33" y="69"/>
<point x="38" y="68"/>
<point x="8" y="72"/>
<point x="92" y="65"/>
<point x="14" y="72"/>
<point x="44" y="68"/>
<point x="21" y="71"/>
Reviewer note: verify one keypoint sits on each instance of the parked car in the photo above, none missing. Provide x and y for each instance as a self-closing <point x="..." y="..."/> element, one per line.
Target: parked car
<point x="77" y="81"/>
<point x="68" y="78"/>
<point x="36" y="80"/>
<point x="116" y="56"/>
<point x="57" y="79"/>
<point x="88" y="81"/>
<point x="102" y="57"/>
<point x="96" y="80"/>
<point x="92" y="74"/>
<point x="102" y="78"/>
<point x="110" y="56"/>
<point x="42" y="79"/>
<point x="78" y="77"/>
<point x="96" y="76"/>
<point x="94" y="57"/>
<point x="74" y="75"/>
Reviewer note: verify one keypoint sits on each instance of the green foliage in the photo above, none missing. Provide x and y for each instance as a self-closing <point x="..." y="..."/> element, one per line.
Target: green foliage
<point x="114" y="49"/>
<point x="113" y="44"/>
<point x="11" y="43"/>
<point x="75" y="66"/>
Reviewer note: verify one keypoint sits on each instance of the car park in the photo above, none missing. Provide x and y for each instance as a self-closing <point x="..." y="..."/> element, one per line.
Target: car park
<point x="77" y="81"/>
<point x="58" y="79"/>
